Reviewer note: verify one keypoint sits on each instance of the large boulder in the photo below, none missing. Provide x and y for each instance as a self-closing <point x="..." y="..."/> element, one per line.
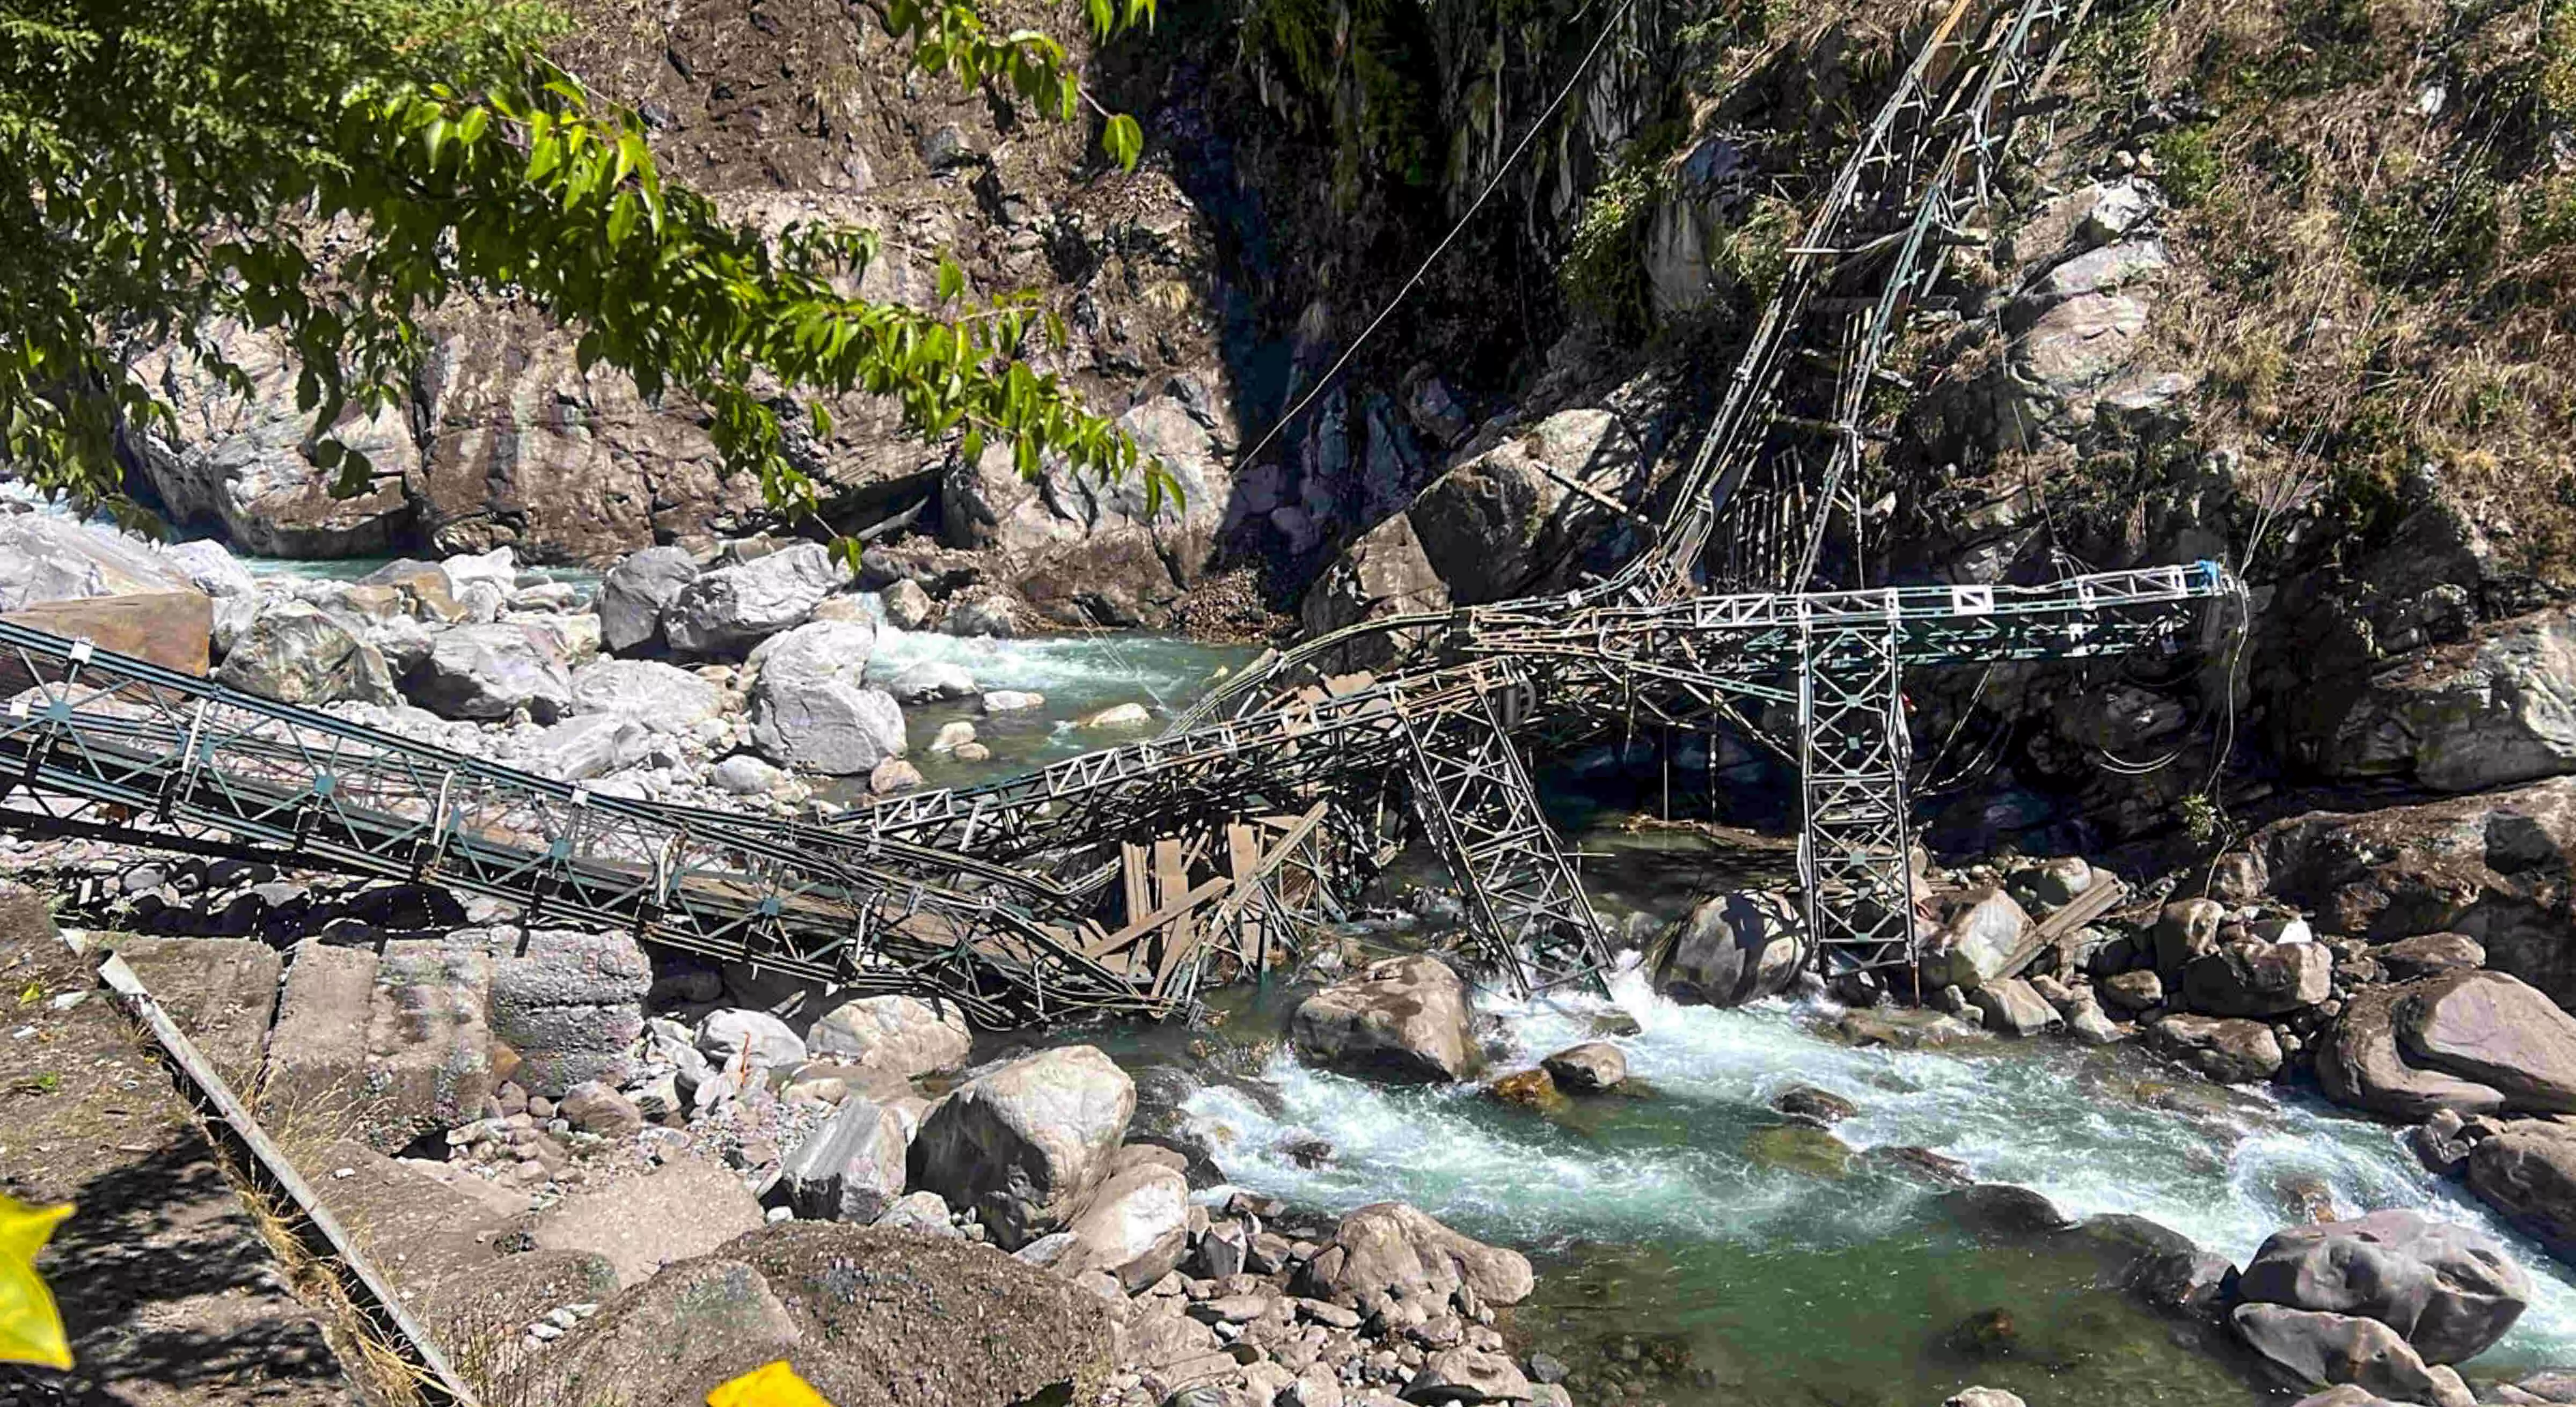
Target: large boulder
<point x="1977" y="939"/>
<point x="851" y="1168"/>
<point x="46" y="558"/>
<point x="1382" y="573"/>
<point x="1389" y="1251"/>
<point x="295" y="654"/>
<point x="2494" y="710"/>
<point x="173" y="629"/>
<point x="2449" y="1290"/>
<point x="1135" y="1224"/>
<point x="571" y="1005"/>
<point x="2493" y="867"/>
<point x="731" y="609"/>
<point x="1405" y="1018"/>
<point x="1733" y="948"/>
<point x="635" y="593"/>
<point x="2255" y="978"/>
<point x="2527" y="1172"/>
<point x="2229" y="1050"/>
<point x="752" y="1039"/>
<point x="811" y="708"/>
<point x="2317" y="1349"/>
<point x="2468" y="1041"/>
<point x="1503" y="522"/>
<point x="1024" y="1143"/>
<point x="662" y="697"/>
<point x="493" y="671"/>
<point x="899" y="1035"/>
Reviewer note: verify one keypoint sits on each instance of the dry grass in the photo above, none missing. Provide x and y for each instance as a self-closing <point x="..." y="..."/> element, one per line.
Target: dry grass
<point x="2376" y="264"/>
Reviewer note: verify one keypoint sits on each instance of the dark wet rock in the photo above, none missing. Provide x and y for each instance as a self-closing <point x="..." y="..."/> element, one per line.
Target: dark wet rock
<point x="1799" y="1148"/>
<point x="1528" y="1089"/>
<point x="1812" y="1105"/>
<point x="2318" y="1349"/>
<point x="852" y="1167"/>
<point x="1405" y="1018"/>
<point x="1733" y="948"/>
<point x="2254" y="978"/>
<point x="2002" y="1209"/>
<point x="635" y="593"/>
<point x="1988" y="1333"/>
<point x="1589" y="1068"/>
<point x="2192" y="1284"/>
<point x="1901" y="1029"/>
<point x="2448" y="1289"/>
<point x="2429" y="953"/>
<point x="1920" y="1165"/>
<point x="2361" y="1065"/>
<point x="2441" y="1142"/>
<point x="2228" y="1050"/>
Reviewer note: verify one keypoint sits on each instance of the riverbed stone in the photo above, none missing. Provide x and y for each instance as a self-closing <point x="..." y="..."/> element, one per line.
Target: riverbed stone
<point x="754" y="1039"/>
<point x="1467" y="1375"/>
<point x="1733" y="948"/>
<point x="294" y="653"/>
<point x="726" y="611"/>
<point x="2184" y="931"/>
<point x="2319" y="1349"/>
<point x="1590" y="1068"/>
<point x="832" y="726"/>
<point x="1980" y="935"/>
<point x="1022" y="1144"/>
<point x="899" y="1035"/>
<point x="492" y="671"/>
<point x="1135" y="1224"/>
<point x="932" y="681"/>
<point x="1390" y="1251"/>
<point x="635" y="593"/>
<point x="662" y="697"/>
<point x="2527" y="1172"/>
<point x="2496" y="1030"/>
<point x="2226" y="1049"/>
<point x="852" y="1167"/>
<point x="2428" y="953"/>
<point x="2133" y="992"/>
<point x="2254" y="978"/>
<point x="2011" y="1008"/>
<point x="1810" y="1105"/>
<point x="2449" y="1290"/>
<point x="1403" y="1018"/>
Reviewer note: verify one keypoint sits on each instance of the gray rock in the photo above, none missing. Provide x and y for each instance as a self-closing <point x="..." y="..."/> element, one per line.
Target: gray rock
<point x="1135" y="1224"/>
<point x="1022" y="1144"/>
<point x="44" y="558"/>
<point x="1406" y="1018"/>
<point x="2011" y="1008"/>
<point x="637" y="591"/>
<point x="2319" y="1349"/>
<point x="594" y="1107"/>
<point x="2496" y="712"/>
<point x="832" y="726"/>
<point x="1124" y="715"/>
<point x="492" y="671"/>
<point x="818" y="652"/>
<point x="662" y="697"/>
<point x="1382" y="573"/>
<point x="1588" y="1068"/>
<point x="1388" y="1252"/>
<point x="2258" y="979"/>
<point x="1498" y="522"/>
<point x="2468" y="1041"/>
<point x="1983" y="1397"/>
<point x="2231" y="1051"/>
<point x="932" y="680"/>
<point x="295" y="654"/>
<point x="755" y="1038"/>
<point x="211" y="568"/>
<point x="2527" y="1173"/>
<point x="1467" y="1375"/>
<point x="582" y="747"/>
<point x="1733" y="948"/>
<point x="851" y="1168"/>
<point x="907" y="606"/>
<point x="923" y="1212"/>
<point x="991" y="615"/>
<point x="2184" y="931"/>
<point x="1975" y="941"/>
<point x="2449" y="1290"/>
<point x="746" y="775"/>
<point x="900" y="1035"/>
<point x="730" y="609"/>
<point x="571" y="1006"/>
<point x="2133" y="991"/>
<point x="2086" y="1020"/>
<point x="2429" y="953"/>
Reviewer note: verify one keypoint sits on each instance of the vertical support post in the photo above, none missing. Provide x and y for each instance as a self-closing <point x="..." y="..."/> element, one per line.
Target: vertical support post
<point x="1855" y="843"/>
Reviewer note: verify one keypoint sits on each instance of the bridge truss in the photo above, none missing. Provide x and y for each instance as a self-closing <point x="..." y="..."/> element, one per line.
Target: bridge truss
<point x="1120" y="881"/>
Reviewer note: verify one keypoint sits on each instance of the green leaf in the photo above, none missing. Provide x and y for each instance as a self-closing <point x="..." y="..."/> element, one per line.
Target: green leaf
<point x="1124" y="140"/>
<point x="622" y="215"/>
<point x="469" y="128"/>
<point x="952" y="279"/>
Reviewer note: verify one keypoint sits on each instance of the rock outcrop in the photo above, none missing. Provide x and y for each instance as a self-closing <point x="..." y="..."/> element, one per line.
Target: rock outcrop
<point x="2448" y="1290"/>
<point x="1733" y="948"/>
<point x="2471" y="1042"/>
<point x="1024" y="1143"/>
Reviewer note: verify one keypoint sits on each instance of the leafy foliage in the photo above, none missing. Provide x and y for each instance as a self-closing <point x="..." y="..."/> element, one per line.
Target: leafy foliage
<point x="334" y="172"/>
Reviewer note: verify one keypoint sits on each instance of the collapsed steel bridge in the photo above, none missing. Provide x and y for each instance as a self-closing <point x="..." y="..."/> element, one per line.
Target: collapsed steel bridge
<point x="1124" y="880"/>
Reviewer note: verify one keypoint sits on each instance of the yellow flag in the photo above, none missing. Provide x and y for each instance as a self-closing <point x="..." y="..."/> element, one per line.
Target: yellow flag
<point x="769" y="1385"/>
<point x="31" y="1330"/>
